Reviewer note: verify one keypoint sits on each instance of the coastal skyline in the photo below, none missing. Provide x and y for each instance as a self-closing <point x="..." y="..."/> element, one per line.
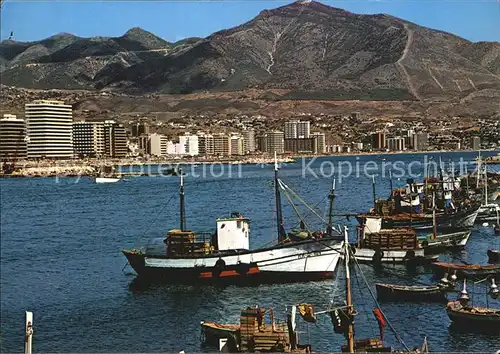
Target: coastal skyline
<point x="176" y="20"/>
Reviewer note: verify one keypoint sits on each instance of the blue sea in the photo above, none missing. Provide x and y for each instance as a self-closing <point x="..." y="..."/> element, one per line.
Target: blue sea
<point x="61" y="242"/>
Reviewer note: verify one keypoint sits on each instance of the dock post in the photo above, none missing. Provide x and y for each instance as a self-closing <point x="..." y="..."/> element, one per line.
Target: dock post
<point x="28" y="332"/>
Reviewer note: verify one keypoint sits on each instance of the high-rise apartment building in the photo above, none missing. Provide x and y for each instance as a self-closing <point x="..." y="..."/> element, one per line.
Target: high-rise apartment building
<point x="475" y="143"/>
<point x="275" y="142"/>
<point x="12" y="138"/>
<point x="396" y="144"/>
<point x="88" y="138"/>
<point x="157" y="145"/>
<point x="205" y="144"/>
<point x="420" y="141"/>
<point x="49" y="129"/>
<point x="115" y="140"/>
<point x="297" y="129"/>
<point x="222" y="144"/>
<point x="320" y="142"/>
<point x="379" y="141"/>
<point x="249" y="140"/>
<point x="191" y="144"/>
<point x="237" y="145"/>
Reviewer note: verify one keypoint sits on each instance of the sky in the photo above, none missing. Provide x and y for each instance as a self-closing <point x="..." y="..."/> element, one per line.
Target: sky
<point x="30" y="20"/>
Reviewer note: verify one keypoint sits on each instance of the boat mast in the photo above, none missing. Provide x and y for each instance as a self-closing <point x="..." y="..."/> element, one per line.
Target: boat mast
<point x="350" y="329"/>
<point x="279" y="214"/>
<point x="478" y="168"/>
<point x="485" y="186"/>
<point x="182" y="209"/>
<point x="330" y="211"/>
<point x="434" y="226"/>
<point x="390" y="183"/>
<point x="374" y="196"/>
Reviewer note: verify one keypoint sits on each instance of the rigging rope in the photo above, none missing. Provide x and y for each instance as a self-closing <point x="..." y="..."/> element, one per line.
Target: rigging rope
<point x="287" y="189"/>
<point x="398" y="337"/>
<point x="156" y="218"/>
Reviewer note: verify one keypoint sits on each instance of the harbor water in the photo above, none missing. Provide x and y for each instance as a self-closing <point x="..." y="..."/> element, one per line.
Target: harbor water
<point x="61" y="242"/>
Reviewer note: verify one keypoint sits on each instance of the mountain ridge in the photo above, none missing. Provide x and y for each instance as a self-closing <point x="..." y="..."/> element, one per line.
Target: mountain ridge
<point x="308" y="48"/>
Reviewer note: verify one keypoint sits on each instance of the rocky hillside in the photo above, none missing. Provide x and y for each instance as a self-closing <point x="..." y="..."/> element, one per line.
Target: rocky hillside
<point x="309" y="49"/>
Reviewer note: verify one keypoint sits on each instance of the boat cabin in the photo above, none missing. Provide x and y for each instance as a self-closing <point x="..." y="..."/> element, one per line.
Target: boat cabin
<point x="232" y="235"/>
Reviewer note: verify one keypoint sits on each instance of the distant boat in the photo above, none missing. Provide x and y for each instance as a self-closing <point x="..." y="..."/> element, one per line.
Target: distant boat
<point x="106" y="179"/>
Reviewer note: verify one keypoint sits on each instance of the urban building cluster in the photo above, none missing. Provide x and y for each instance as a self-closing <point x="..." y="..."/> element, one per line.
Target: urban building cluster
<point x="49" y="132"/>
<point x="295" y="139"/>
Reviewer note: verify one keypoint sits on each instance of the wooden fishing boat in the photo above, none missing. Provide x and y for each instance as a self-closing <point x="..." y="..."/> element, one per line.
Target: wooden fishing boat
<point x="253" y="334"/>
<point x="466" y="270"/>
<point x="493" y="256"/>
<point x="377" y="245"/>
<point x="185" y="256"/>
<point x="406" y="292"/>
<point x="473" y="316"/>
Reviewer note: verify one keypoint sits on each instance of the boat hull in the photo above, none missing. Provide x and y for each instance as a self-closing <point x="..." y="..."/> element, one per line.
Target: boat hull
<point x="466" y="271"/>
<point x="465" y="219"/>
<point x="454" y="240"/>
<point x="213" y="332"/>
<point x="367" y="255"/>
<point x="480" y="317"/>
<point x="410" y="293"/>
<point x="106" y="180"/>
<point x="493" y="256"/>
<point x="294" y="262"/>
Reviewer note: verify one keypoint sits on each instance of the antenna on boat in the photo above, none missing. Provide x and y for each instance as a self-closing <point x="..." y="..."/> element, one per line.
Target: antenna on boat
<point x="434" y="226"/>
<point x="374" y="196"/>
<point x="331" y="196"/>
<point x="350" y="329"/>
<point x="485" y="185"/>
<point x="390" y="182"/>
<point x="181" y="204"/>
<point x="478" y="168"/>
<point x="279" y="214"/>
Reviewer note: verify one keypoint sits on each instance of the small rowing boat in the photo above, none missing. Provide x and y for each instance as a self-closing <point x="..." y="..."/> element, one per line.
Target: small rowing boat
<point x="406" y="292"/>
<point x="466" y="270"/>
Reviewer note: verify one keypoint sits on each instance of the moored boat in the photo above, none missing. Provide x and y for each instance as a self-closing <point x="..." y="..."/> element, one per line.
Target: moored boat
<point x="379" y="245"/>
<point x="225" y="256"/>
<point x="253" y="334"/>
<point x="462" y="313"/>
<point x="466" y="270"/>
<point x="493" y="256"/>
<point x="106" y="180"/>
<point x="410" y="293"/>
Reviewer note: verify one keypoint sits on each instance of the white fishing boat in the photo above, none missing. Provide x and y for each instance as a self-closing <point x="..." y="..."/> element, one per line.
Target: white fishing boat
<point x="107" y="179"/>
<point x="225" y="256"/>
<point x="379" y="245"/>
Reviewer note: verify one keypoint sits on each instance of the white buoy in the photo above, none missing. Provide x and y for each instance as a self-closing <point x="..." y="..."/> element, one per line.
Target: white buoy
<point x="485" y="224"/>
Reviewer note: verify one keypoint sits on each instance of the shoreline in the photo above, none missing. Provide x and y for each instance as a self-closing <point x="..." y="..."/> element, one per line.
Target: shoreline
<point x="92" y="167"/>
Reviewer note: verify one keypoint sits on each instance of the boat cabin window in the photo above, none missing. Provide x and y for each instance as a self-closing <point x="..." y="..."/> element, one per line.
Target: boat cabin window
<point x="238" y="224"/>
<point x="222" y="226"/>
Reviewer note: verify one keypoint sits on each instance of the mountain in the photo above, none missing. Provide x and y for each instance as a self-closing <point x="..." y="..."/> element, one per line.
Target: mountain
<point x="310" y="50"/>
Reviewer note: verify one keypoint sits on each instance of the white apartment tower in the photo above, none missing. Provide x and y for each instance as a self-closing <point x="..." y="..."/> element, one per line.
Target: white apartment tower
<point x="49" y="127"/>
<point x="297" y="129"/>
<point x="158" y="144"/>
<point x="249" y="140"/>
<point x="190" y="143"/>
